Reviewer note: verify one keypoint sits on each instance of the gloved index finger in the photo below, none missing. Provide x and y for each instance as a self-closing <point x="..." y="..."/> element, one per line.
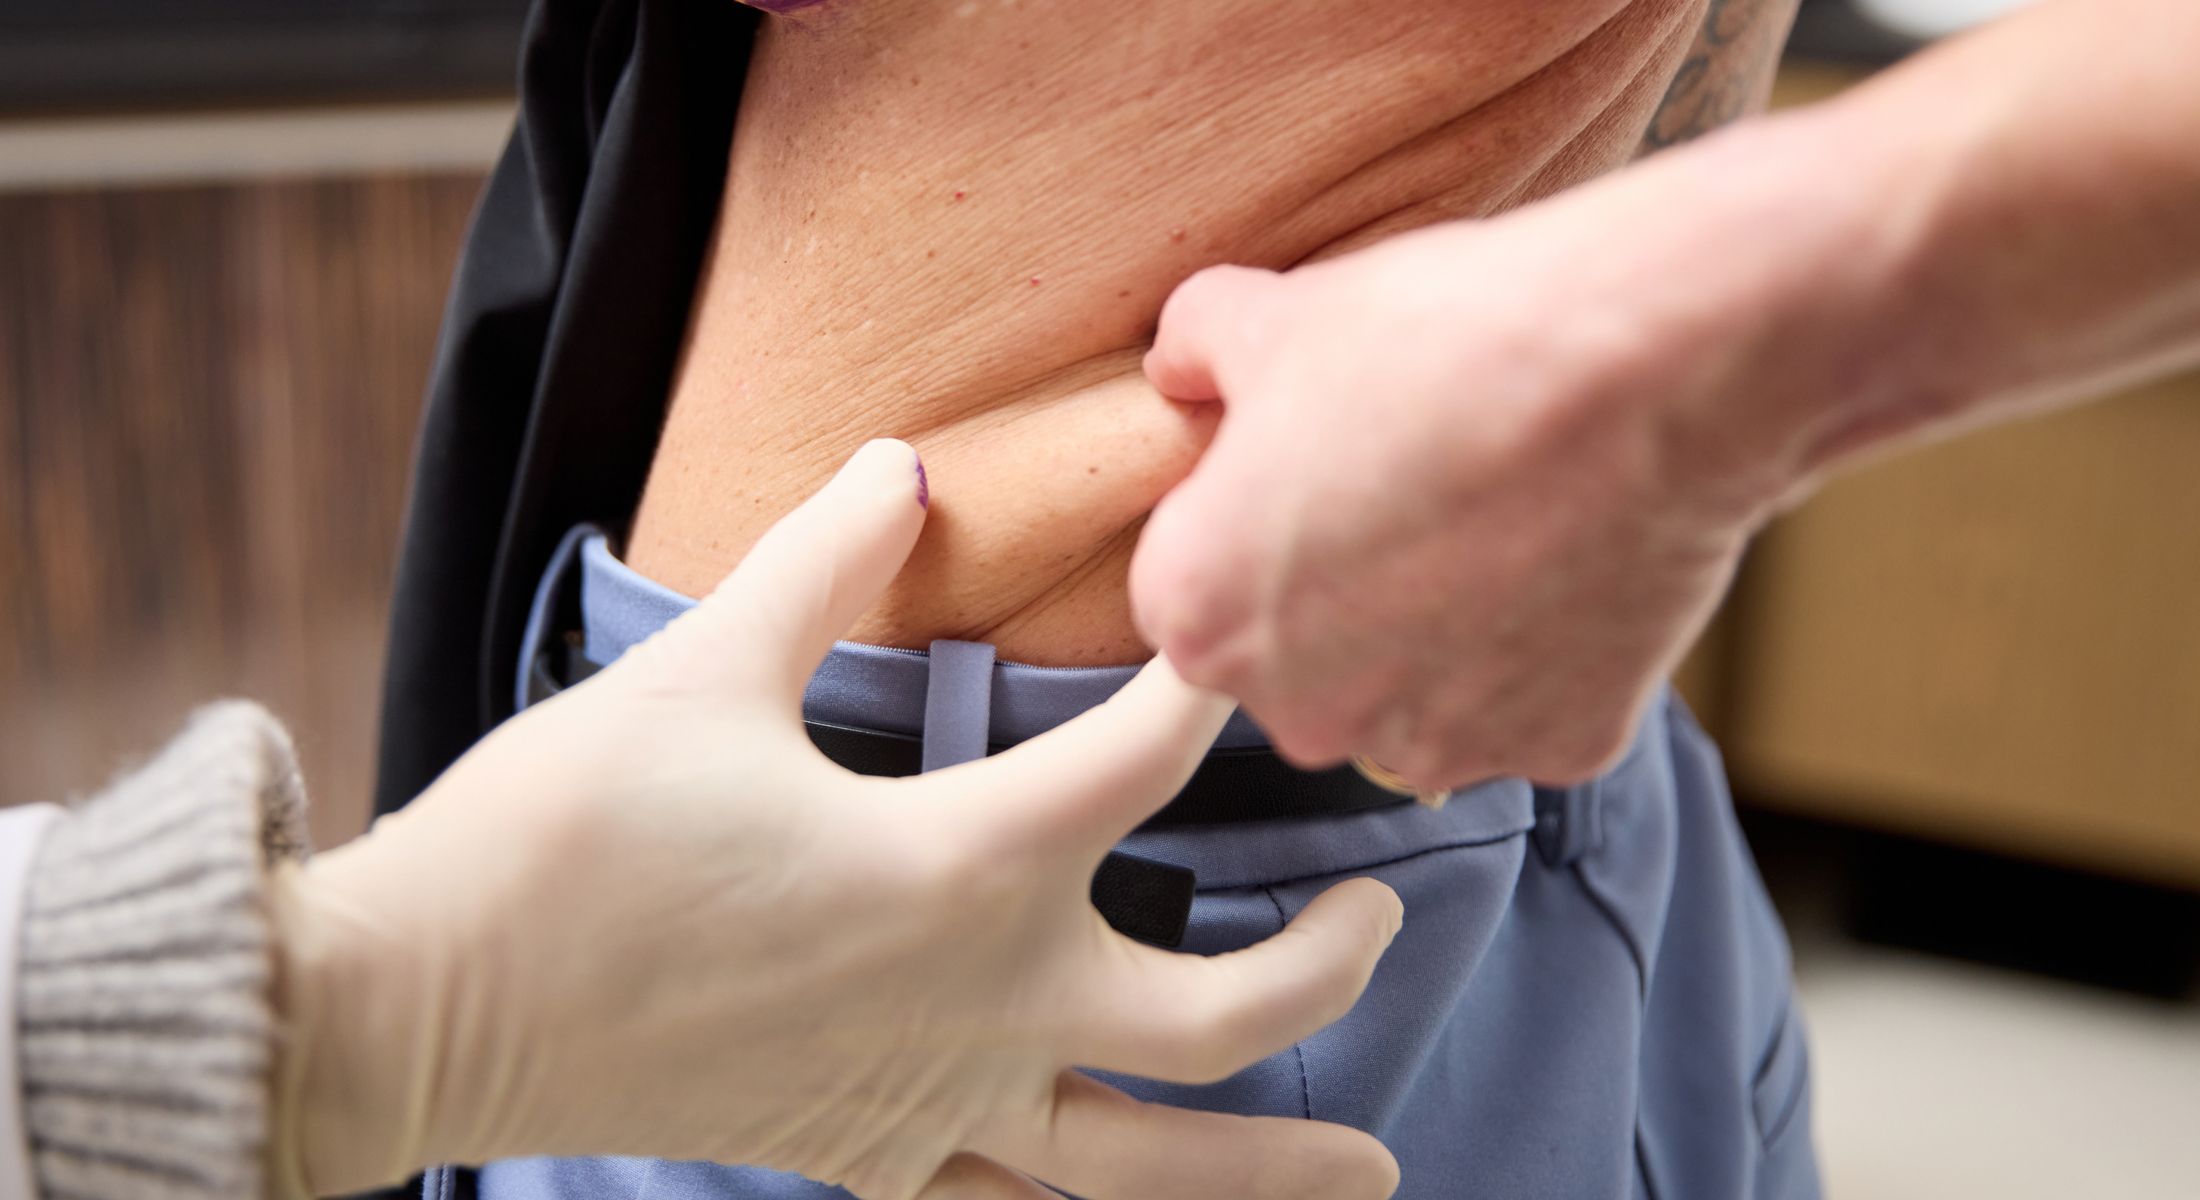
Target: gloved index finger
<point x="1085" y="784"/>
<point x="1097" y="1142"/>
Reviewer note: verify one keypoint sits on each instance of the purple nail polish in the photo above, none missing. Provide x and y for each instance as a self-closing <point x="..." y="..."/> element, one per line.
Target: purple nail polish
<point x="924" y="487"/>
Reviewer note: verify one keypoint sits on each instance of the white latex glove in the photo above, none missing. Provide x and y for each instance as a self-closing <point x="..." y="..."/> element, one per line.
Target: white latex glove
<point x="649" y="918"/>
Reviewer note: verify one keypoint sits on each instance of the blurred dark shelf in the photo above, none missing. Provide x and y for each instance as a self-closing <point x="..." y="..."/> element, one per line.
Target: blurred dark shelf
<point x="94" y="55"/>
<point x="1880" y="889"/>
<point x="1834" y="31"/>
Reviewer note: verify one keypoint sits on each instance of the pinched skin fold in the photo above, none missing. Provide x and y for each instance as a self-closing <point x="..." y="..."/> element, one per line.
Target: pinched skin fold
<point x="955" y="223"/>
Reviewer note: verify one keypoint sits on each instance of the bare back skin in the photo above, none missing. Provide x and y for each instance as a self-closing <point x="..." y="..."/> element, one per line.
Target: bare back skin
<point x="955" y="221"/>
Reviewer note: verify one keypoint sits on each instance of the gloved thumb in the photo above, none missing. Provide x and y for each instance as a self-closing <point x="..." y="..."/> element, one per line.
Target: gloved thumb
<point x="764" y="630"/>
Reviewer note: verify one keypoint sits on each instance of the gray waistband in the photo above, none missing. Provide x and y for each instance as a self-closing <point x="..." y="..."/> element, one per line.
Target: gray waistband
<point x="871" y="687"/>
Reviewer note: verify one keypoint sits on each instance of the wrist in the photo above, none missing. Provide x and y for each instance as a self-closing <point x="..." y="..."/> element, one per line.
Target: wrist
<point x="1781" y="294"/>
<point x="351" y="1067"/>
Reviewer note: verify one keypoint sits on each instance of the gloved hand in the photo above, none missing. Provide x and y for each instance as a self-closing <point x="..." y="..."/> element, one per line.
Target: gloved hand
<point x="649" y="918"/>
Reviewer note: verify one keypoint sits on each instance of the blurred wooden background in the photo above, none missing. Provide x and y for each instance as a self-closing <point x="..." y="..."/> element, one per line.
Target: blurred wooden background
<point x="209" y="396"/>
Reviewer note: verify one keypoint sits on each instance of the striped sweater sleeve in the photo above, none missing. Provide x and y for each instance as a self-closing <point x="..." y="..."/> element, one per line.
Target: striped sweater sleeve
<point x="144" y="1033"/>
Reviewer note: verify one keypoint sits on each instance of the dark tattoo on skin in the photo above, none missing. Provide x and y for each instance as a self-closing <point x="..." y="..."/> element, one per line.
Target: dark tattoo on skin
<point x="1727" y="71"/>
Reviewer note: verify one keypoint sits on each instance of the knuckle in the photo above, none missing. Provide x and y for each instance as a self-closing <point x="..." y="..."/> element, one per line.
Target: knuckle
<point x="1317" y="730"/>
<point x="1220" y="281"/>
<point x="1582" y="755"/>
<point x="1210" y="663"/>
<point x="1603" y="745"/>
<point x="1552" y="767"/>
<point x="1305" y="740"/>
<point x="1220" y="306"/>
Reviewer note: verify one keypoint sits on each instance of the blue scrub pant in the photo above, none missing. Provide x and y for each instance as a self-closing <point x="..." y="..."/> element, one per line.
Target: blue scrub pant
<point x="1590" y="996"/>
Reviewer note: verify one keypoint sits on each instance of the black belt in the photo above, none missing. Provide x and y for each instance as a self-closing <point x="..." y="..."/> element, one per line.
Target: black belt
<point x="1147" y="900"/>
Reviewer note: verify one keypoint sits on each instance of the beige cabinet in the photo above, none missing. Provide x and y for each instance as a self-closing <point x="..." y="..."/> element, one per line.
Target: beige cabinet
<point x="1995" y="641"/>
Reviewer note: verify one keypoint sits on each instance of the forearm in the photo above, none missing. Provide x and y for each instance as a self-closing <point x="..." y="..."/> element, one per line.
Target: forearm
<point x="1580" y="411"/>
<point x="2009" y="221"/>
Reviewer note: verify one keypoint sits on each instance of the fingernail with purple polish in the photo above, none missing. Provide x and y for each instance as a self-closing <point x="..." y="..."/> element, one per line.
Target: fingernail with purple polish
<point x="924" y="487"/>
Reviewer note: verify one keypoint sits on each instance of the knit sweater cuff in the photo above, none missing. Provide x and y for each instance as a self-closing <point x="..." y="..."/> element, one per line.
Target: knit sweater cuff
<point x="143" y="1025"/>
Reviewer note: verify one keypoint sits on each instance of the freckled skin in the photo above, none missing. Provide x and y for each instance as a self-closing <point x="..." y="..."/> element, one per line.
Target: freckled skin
<point x="1116" y="148"/>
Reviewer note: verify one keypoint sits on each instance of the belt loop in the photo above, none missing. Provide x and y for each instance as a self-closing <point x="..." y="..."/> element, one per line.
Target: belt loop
<point x="1569" y="822"/>
<point x="958" y="703"/>
<point x="1140" y="898"/>
<point x="551" y="612"/>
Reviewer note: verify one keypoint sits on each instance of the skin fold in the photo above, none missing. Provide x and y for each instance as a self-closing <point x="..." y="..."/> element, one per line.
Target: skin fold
<point x="956" y="223"/>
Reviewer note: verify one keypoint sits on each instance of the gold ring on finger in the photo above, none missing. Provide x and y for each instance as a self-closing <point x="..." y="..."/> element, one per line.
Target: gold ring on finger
<point x="1391" y="781"/>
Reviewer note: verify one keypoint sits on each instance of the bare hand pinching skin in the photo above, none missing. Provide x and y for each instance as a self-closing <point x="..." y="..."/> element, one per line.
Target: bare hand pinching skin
<point x="1478" y="486"/>
<point x="880" y="983"/>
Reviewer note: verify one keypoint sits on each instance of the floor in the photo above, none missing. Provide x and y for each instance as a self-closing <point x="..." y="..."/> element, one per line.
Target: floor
<point x="1942" y="1079"/>
<point x="1942" y="1075"/>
